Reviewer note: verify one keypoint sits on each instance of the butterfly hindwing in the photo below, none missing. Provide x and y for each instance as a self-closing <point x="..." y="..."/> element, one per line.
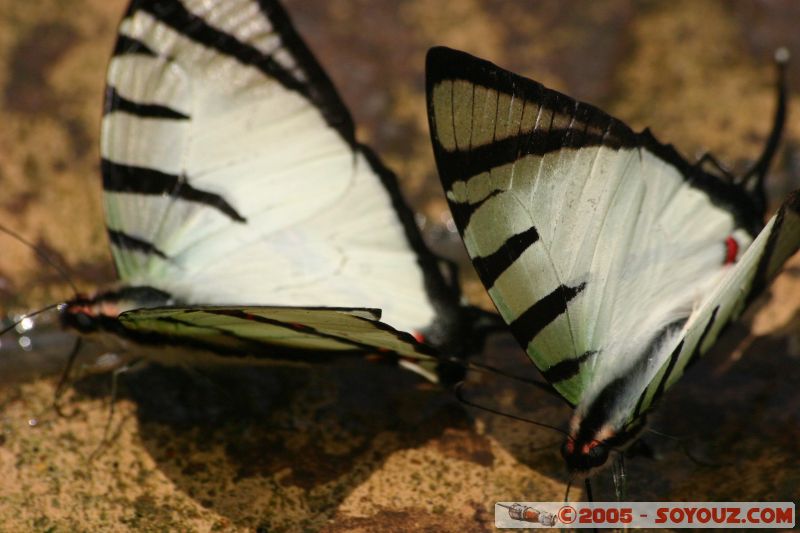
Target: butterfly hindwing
<point x="599" y="246"/>
<point x="231" y="173"/>
<point x="761" y="262"/>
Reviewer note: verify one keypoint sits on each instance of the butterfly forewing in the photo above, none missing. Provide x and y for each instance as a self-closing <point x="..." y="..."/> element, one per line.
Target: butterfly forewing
<point x="597" y="244"/>
<point x="231" y="173"/>
<point x="292" y="333"/>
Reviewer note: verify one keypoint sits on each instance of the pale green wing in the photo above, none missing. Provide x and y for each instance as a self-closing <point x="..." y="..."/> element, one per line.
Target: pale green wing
<point x="591" y="239"/>
<point x="276" y="333"/>
<point x="598" y="245"/>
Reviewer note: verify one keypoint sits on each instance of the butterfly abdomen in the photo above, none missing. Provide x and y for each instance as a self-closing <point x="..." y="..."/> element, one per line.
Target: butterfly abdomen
<point x="89" y="314"/>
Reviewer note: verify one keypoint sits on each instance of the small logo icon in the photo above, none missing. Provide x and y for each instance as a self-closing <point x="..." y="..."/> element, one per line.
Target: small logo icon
<point x="567" y="514"/>
<point x="517" y="511"/>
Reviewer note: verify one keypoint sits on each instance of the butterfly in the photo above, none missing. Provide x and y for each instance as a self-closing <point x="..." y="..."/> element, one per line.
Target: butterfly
<point x="245" y="220"/>
<point x="614" y="261"/>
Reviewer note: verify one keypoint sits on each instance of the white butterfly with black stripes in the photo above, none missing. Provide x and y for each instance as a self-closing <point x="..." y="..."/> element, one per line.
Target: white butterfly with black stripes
<point x="615" y="262"/>
<point x="244" y="217"/>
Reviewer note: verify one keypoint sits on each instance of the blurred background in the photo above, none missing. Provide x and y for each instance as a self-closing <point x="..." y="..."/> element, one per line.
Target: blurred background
<point x="367" y="447"/>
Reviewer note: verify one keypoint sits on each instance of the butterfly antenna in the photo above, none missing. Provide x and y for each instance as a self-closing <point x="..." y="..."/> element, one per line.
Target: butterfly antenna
<point x="492" y="370"/>
<point x="544" y="446"/>
<point x="683" y="442"/>
<point x="753" y="179"/>
<point x="29" y="315"/>
<point x="458" y="389"/>
<point x="41" y="255"/>
<point x="708" y="158"/>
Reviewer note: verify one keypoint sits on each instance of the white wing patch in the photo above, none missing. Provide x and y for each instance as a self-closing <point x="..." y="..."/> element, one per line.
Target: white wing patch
<point x="251" y="195"/>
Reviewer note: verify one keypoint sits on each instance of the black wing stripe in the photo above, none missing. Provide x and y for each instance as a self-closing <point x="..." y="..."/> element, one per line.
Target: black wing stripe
<point x="673" y="360"/>
<point x="462" y="165"/>
<point x="177" y="17"/>
<point x="247" y="347"/>
<point x="127" y="242"/>
<point x="462" y="212"/>
<point x="401" y="336"/>
<point x="775" y="251"/>
<point x="564" y="370"/>
<point x="302" y="328"/>
<point x="527" y="325"/>
<point x="492" y="266"/>
<point x="140" y="180"/>
<point x="320" y="90"/>
<point x="698" y="349"/>
<point x="761" y="277"/>
<point x="129" y="45"/>
<point x="593" y="127"/>
<point x="117" y="102"/>
<point x="637" y="410"/>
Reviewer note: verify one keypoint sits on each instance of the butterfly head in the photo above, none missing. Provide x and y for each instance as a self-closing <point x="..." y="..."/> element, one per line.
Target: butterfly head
<point x="583" y="455"/>
<point x="588" y="446"/>
<point x="86" y="313"/>
<point x="89" y="314"/>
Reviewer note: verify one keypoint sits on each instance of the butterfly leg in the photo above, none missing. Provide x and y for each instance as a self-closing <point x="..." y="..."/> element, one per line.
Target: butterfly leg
<point x="642" y="448"/>
<point x="709" y="158"/>
<point x="684" y="443"/>
<point x="619" y="477"/>
<point x="135" y="365"/>
<point x="62" y="382"/>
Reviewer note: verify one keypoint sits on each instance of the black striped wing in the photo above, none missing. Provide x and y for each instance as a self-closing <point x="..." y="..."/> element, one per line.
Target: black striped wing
<point x="231" y="173"/>
<point x="276" y="334"/>
<point x="604" y="250"/>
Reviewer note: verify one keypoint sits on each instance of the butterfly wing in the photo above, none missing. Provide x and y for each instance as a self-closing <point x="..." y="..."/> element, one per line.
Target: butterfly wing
<point x="597" y="244"/>
<point x="761" y="262"/>
<point x="276" y="334"/>
<point x="231" y="173"/>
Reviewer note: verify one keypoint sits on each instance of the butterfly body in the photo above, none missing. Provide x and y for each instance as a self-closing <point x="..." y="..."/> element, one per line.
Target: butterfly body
<point x="614" y="261"/>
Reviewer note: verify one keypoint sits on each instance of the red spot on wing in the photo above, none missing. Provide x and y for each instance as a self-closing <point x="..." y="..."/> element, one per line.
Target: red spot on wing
<point x="419" y="337"/>
<point x="731" y="250"/>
